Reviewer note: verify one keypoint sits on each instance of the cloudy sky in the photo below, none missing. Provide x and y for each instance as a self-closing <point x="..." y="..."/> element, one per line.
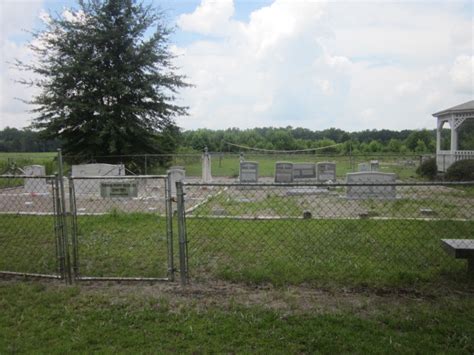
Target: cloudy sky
<point x="352" y="65"/>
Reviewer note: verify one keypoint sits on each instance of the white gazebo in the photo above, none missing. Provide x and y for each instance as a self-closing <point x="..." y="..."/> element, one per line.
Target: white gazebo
<point x="455" y="117"/>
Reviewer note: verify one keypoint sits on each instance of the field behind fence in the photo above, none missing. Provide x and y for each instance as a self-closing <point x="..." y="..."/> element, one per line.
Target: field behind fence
<point x="223" y="164"/>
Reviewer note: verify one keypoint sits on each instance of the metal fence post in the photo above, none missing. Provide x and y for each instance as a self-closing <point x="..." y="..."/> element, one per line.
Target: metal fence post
<point x="169" y="227"/>
<point x="58" y="227"/>
<point x="62" y="206"/>
<point x="73" y="213"/>
<point x="183" y="265"/>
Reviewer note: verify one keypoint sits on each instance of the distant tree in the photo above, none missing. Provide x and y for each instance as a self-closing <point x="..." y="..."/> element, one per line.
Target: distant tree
<point x="394" y="145"/>
<point x="428" y="138"/>
<point x="107" y="85"/>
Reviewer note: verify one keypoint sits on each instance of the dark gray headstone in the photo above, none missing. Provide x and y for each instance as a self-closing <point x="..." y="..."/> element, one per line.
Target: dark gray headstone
<point x="326" y="171"/>
<point x="283" y="172"/>
<point x="248" y="171"/>
<point x="304" y="171"/>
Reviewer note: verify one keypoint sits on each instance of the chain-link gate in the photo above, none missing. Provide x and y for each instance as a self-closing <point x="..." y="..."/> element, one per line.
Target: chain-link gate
<point x="121" y="228"/>
<point x="32" y="233"/>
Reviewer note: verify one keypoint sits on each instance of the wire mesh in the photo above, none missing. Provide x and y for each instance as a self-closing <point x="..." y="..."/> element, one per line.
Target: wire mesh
<point x="119" y="229"/>
<point x="29" y="226"/>
<point x="327" y="232"/>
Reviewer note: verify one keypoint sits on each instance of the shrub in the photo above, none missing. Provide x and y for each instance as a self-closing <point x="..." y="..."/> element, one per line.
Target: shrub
<point x="428" y="169"/>
<point x="462" y="170"/>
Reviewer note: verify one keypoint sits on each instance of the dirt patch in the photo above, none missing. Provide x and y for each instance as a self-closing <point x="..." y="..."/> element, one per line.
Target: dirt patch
<point x="224" y="295"/>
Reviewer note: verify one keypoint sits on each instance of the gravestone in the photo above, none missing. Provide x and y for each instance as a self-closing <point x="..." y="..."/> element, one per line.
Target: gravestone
<point x="248" y="171"/>
<point x="206" y="166"/>
<point x="92" y="186"/>
<point x="374" y="165"/>
<point x="35" y="185"/>
<point x="375" y="188"/>
<point x="283" y="172"/>
<point x="326" y="171"/>
<point x="363" y="167"/>
<point x="304" y="171"/>
<point x="175" y="174"/>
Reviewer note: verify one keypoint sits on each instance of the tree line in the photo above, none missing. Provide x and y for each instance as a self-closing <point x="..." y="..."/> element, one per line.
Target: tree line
<point x="289" y="138"/>
<point x="271" y="138"/>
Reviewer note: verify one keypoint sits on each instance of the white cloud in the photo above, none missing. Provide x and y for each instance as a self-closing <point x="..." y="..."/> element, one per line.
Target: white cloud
<point x="210" y="17"/>
<point x="352" y="65"/>
<point x="15" y="17"/>
<point x="462" y="74"/>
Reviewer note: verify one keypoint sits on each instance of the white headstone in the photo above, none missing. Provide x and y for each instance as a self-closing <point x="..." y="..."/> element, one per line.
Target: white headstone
<point x="374" y="165"/>
<point x="35" y="185"/>
<point x="326" y="171"/>
<point x="283" y="172"/>
<point x="206" y="167"/>
<point x="175" y="174"/>
<point x="248" y="171"/>
<point x="304" y="171"/>
<point x="363" y="167"/>
<point x="375" y="188"/>
<point x="92" y="186"/>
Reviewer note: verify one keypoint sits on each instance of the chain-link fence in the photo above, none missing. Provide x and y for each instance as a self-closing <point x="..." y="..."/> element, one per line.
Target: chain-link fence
<point x="120" y="227"/>
<point x="326" y="232"/>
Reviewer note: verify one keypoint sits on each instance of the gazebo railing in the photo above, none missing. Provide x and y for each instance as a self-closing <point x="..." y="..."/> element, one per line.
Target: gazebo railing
<point x="445" y="158"/>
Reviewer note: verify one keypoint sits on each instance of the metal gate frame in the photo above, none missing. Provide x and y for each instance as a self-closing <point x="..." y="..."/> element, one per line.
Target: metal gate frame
<point x="73" y="264"/>
<point x="59" y="230"/>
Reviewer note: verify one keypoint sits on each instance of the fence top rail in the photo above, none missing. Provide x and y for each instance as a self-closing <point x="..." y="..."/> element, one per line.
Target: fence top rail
<point x="122" y="177"/>
<point x="453" y="183"/>
<point x="12" y="176"/>
<point x="237" y="154"/>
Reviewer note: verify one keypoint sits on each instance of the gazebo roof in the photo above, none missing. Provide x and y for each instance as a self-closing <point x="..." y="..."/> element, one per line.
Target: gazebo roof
<point x="465" y="107"/>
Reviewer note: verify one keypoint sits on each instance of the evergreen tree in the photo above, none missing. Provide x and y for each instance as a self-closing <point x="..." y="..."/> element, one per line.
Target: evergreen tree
<point x="107" y="86"/>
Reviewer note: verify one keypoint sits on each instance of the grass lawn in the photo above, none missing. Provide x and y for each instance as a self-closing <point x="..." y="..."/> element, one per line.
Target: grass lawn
<point x="341" y="252"/>
<point x="108" y="318"/>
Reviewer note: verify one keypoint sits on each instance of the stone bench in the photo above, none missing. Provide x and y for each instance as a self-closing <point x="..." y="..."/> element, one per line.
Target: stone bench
<point x="461" y="249"/>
